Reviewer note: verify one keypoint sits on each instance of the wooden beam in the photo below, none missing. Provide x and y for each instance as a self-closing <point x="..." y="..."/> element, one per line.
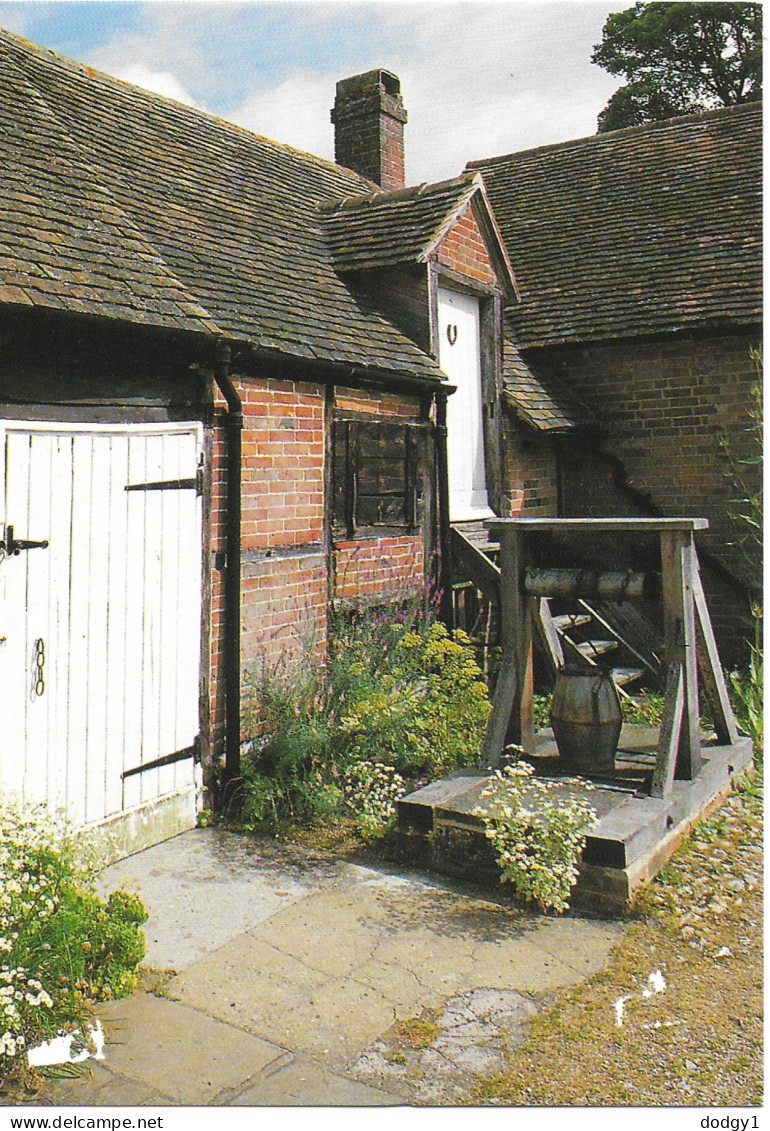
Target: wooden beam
<point x="689" y="761"/>
<point x="599" y="525"/>
<point x="548" y="635"/>
<point x="511" y="720"/>
<point x="710" y="668"/>
<point x="676" y="550"/>
<point x="507" y="692"/>
<point x="480" y="569"/>
<point x="670" y="731"/>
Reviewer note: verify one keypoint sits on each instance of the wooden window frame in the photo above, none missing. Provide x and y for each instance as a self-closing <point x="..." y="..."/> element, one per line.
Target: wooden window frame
<point x="347" y="434"/>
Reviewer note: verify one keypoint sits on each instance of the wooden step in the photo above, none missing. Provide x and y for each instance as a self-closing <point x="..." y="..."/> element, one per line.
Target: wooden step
<point x="565" y="621"/>
<point x="623" y="676"/>
<point x="592" y="648"/>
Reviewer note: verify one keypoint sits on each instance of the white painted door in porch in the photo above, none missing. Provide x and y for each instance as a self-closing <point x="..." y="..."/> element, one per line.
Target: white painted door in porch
<point x="460" y="358"/>
<point x="99" y="664"/>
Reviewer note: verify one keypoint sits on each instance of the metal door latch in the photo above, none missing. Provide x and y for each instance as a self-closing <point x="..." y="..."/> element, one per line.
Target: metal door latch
<point x="14" y="546"/>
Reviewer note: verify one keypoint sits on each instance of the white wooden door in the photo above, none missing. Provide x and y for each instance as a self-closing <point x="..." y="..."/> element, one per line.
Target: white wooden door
<point x="460" y="358"/>
<point x="99" y="667"/>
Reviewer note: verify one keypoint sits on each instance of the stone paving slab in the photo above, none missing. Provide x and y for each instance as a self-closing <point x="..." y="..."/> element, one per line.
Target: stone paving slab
<point x="97" y="1086"/>
<point x="327" y="975"/>
<point x="178" y="1051"/>
<point x="302" y="1083"/>
<point x="206" y="886"/>
<point x="291" y="976"/>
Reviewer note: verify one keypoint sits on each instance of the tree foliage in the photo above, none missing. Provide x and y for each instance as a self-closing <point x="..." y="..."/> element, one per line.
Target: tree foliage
<point x="680" y="58"/>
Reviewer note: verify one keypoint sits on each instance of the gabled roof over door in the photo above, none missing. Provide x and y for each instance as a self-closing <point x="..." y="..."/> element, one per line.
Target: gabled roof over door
<point x="389" y="229"/>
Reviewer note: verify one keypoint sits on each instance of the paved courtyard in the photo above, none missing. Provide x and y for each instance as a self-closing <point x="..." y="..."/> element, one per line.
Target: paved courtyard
<point x="278" y="976"/>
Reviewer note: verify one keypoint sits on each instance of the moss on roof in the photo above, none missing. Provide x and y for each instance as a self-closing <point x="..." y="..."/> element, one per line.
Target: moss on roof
<point x="648" y="229"/>
<point x="122" y="203"/>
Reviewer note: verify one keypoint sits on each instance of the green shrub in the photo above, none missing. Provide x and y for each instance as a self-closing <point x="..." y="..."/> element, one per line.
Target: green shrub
<point x="537" y="835"/>
<point x="397" y="692"/>
<point x="747" y="695"/>
<point x="61" y="947"/>
<point x="645" y="709"/>
<point x="428" y="713"/>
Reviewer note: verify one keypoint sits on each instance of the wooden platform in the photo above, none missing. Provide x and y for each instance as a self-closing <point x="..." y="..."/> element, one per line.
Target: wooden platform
<point x="635" y="834"/>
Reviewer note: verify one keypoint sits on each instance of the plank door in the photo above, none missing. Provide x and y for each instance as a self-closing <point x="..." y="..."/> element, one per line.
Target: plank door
<point x="460" y="357"/>
<point x="99" y="667"/>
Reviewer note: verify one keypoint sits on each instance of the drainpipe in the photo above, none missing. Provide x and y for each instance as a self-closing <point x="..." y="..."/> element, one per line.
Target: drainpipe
<point x="444" y="531"/>
<point x="232" y="585"/>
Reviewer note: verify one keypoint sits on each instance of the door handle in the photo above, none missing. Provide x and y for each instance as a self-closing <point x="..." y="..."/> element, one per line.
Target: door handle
<point x="14" y="546"/>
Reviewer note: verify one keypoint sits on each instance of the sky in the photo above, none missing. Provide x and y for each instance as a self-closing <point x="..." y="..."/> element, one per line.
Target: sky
<point x="479" y="79"/>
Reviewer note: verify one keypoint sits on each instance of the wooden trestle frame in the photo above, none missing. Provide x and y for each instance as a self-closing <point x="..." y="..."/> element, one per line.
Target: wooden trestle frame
<point x="689" y="643"/>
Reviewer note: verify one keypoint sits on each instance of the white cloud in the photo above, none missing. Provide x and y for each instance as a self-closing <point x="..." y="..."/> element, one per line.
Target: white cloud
<point x="478" y="80"/>
<point x="161" y="82"/>
<point x="14" y="18"/>
<point x="296" y="112"/>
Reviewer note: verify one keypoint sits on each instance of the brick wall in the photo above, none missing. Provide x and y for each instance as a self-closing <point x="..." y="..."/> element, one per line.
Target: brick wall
<point x="662" y="407"/>
<point x="284" y="581"/>
<point x="283" y="576"/>
<point x="377" y="403"/>
<point x="379" y="569"/>
<point x="530" y="486"/>
<point x="463" y="250"/>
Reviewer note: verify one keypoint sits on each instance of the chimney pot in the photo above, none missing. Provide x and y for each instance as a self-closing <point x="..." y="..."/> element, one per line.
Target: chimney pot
<point x="369" y="119"/>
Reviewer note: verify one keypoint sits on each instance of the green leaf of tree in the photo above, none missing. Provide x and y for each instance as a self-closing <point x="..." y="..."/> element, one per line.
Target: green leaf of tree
<point x="680" y="58"/>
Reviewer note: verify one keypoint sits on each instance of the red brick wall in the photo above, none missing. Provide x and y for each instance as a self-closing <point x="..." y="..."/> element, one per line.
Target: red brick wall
<point x="283" y="464"/>
<point x="284" y="596"/>
<point x="662" y="407"/>
<point x="285" y="588"/>
<point x="530" y="486"/>
<point x="463" y="250"/>
<point x="284" y="603"/>
<point x="379" y="569"/>
<point x="377" y="403"/>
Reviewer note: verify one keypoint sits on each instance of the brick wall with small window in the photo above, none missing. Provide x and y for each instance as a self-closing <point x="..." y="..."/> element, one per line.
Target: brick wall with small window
<point x="379" y="480"/>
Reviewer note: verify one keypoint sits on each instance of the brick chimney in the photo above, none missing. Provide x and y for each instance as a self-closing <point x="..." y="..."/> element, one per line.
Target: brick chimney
<point x="369" y="119"/>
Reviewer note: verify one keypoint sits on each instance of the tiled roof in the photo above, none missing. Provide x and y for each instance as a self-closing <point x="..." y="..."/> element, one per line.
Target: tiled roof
<point x="118" y="202"/>
<point x="646" y="229"/>
<point x="546" y="409"/>
<point x="381" y="229"/>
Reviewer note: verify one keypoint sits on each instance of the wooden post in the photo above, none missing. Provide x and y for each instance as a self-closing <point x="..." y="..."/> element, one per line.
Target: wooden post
<point x="710" y="668"/>
<point x="679" y="745"/>
<point x="549" y="637"/>
<point x="670" y="731"/>
<point x="509" y="721"/>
